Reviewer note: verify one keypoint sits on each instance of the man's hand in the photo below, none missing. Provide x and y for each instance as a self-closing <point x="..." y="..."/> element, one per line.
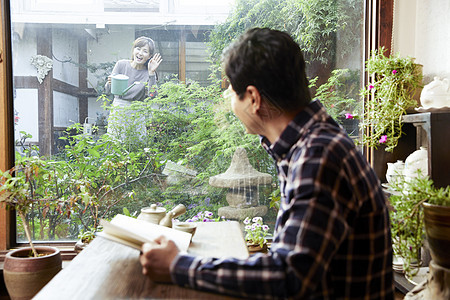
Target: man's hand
<point x="156" y="259"/>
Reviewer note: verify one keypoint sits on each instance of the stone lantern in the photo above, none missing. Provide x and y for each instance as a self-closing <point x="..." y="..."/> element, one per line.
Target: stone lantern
<point x="242" y="182"/>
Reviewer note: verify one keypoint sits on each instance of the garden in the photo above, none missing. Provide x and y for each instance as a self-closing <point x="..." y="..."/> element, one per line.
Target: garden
<point x="95" y="176"/>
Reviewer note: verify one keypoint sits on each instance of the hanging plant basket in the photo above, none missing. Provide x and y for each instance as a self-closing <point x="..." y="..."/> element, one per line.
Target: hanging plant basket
<point x="393" y="92"/>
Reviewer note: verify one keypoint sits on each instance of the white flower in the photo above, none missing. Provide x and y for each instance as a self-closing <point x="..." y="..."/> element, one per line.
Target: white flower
<point x="257" y="219"/>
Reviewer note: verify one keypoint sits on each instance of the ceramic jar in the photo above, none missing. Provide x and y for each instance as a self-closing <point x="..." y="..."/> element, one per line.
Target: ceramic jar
<point x="415" y="162"/>
<point x="24" y="275"/>
<point x="395" y="171"/>
<point x="436" y="94"/>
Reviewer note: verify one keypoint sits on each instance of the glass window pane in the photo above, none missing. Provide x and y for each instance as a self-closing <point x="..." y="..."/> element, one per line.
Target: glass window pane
<point x="163" y="145"/>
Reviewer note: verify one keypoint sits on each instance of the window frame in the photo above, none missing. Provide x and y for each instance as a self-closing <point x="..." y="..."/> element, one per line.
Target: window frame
<point x="378" y="32"/>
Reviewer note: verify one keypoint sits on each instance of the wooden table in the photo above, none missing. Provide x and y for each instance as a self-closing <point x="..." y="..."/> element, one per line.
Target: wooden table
<point x="109" y="270"/>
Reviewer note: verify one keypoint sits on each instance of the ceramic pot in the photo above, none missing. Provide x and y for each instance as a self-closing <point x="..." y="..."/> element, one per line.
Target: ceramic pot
<point x="436" y="94"/>
<point x="437" y="227"/>
<point x="255" y="248"/>
<point x="416" y="161"/>
<point x="25" y="276"/>
<point x="189" y="227"/>
<point x="79" y="246"/>
<point x="394" y="171"/>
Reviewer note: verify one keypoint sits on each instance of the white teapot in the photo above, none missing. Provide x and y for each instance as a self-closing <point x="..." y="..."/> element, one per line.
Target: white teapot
<point x="436" y="94"/>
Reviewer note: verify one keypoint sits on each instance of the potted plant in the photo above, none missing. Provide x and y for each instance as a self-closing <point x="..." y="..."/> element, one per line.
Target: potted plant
<point x="420" y="210"/>
<point x="255" y="234"/>
<point x="85" y="237"/>
<point x="390" y="94"/>
<point x="27" y="270"/>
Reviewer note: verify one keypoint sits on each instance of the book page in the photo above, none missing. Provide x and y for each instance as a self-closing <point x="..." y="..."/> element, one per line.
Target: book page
<point x="134" y="233"/>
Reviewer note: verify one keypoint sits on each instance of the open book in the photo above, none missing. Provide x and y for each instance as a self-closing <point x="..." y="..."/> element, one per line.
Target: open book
<point x="134" y="233"/>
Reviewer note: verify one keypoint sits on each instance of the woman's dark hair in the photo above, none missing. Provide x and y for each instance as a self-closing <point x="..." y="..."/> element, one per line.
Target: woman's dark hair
<point x="142" y="41"/>
<point x="271" y="61"/>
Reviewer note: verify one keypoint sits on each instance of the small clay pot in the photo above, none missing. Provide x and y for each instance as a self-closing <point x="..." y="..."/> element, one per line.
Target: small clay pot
<point x="254" y="248"/>
<point x="189" y="227"/>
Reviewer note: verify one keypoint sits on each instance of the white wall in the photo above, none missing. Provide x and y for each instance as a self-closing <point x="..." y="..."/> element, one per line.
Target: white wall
<point x="65" y="51"/>
<point x="26" y="104"/>
<point x="422" y="30"/>
<point x="118" y="43"/>
<point x="65" y="110"/>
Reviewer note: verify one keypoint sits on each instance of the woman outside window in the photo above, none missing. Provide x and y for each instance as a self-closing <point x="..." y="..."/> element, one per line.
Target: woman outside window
<point x="141" y="71"/>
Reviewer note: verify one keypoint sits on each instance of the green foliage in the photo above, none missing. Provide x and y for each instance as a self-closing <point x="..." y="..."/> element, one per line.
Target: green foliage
<point x="102" y="172"/>
<point x="339" y="92"/>
<point x="275" y="198"/>
<point x="388" y="97"/>
<point x="86" y="236"/>
<point x="194" y="126"/>
<point x="407" y="217"/>
<point x="97" y="176"/>
<point x="314" y="24"/>
<point x="34" y="184"/>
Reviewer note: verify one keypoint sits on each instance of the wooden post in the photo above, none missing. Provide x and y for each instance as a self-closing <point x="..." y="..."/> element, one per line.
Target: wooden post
<point x="6" y="120"/>
<point x="182" y="57"/>
<point x="385" y="23"/>
<point x="45" y="96"/>
<point x="82" y="79"/>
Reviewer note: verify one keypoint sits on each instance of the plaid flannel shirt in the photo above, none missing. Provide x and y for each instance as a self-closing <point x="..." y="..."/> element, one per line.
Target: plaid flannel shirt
<point x="332" y="234"/>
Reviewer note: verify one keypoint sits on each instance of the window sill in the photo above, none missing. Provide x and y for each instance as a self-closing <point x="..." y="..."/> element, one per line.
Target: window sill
<point x="67" y="254"/>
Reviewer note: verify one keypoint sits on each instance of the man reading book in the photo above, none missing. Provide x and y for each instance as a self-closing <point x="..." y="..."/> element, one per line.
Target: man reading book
<point x="332" y="238"/>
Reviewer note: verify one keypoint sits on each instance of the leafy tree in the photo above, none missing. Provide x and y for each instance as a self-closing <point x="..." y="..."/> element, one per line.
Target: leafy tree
<point x="314" y="24"/>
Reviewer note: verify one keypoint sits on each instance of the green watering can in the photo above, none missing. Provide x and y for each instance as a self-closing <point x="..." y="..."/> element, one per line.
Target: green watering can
<point x="119" y="84"/>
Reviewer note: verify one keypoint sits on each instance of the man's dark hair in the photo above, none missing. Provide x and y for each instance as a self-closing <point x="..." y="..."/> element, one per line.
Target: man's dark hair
<point x="271" y="61"/>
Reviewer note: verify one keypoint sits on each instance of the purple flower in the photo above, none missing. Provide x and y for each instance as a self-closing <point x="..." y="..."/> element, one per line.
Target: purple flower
<point x="371" y="87"/>
<point x="247" y="221"/>
<point x="192" y="205"/>
<point x="265" y="227"/>
<point x="383" y="139"/>
<point x="394" y="72"/>
<point x="348" y="116"/>
<point x="208" y="214"/>
<point x="207" y="200"/>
